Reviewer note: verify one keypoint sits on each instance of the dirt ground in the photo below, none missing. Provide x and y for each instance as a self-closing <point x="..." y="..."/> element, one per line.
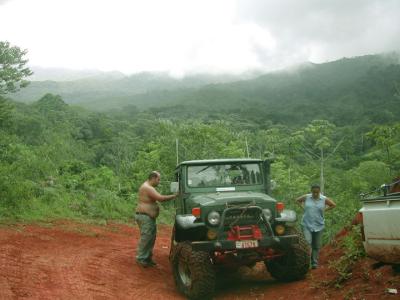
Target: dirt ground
<point x="66" y="260"/>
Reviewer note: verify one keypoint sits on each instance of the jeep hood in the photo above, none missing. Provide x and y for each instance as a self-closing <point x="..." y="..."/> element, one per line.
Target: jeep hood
<point x="233" y="198"/>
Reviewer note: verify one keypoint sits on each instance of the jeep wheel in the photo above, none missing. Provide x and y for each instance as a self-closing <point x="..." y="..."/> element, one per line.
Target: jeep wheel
<point x="193" y="272"/>
<point x="172" y="248"/>
<point x="294" y="264"/>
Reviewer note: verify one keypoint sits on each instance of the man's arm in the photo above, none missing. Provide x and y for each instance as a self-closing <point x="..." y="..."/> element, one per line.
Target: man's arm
<point x="329" y="204"/>
<point x="153" y="194"/>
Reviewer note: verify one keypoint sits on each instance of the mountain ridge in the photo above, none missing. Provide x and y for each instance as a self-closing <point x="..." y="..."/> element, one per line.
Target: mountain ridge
<point x="286" y="94"/>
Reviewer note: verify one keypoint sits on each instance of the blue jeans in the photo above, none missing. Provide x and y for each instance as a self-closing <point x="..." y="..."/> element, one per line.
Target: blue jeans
<point x="148" y="232"/>
<point x="314" y="239"/>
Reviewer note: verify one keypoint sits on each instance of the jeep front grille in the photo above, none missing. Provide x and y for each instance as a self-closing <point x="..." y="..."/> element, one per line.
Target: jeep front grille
<point x="240" y="204"/>
<point x="241" y="216"/>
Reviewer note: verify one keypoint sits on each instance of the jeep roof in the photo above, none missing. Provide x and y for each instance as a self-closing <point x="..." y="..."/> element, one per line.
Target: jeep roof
<point x="216" y="161"/>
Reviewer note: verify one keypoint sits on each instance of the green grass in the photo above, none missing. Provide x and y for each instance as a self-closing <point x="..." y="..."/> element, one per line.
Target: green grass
<point x="102" y="207"/>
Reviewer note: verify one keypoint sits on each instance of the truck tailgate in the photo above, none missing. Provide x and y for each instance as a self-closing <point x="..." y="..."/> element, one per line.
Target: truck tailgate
<point x="381" y="218"/>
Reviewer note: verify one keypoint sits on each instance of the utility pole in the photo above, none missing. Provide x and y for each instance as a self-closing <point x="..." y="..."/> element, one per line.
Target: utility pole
<point x="290" y="164"/>
<point x="289" y="172"/>
<point x="177" y="151"/>
<point x="322" y="170"/>
<point x="362" y="142"/>
<point x="247" y="148"/>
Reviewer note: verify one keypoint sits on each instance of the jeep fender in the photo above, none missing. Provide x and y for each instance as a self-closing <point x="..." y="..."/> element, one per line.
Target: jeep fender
<point x="186" y="222"/>
<point x="186" y="229"/>
<point x="287" y="215"/>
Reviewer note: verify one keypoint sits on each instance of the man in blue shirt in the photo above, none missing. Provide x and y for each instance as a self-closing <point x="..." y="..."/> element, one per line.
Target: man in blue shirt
<point x="313" y="221"/>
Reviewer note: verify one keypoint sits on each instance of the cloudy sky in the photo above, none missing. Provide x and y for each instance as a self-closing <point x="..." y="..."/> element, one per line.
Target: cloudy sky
<point x="181" y="36"/>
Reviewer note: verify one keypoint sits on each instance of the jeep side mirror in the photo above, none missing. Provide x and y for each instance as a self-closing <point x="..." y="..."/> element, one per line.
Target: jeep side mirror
<point x="174" y="188"/>
<point x="269" y="158"/>
<point x="273" y="185"/>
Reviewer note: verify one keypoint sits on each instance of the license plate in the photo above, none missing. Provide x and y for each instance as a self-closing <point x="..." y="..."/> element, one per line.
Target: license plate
<point x="246" y="244"/>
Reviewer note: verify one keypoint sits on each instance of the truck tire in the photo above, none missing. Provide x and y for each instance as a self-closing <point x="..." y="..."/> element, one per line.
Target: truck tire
<point x="295" y="264"/>
<point x="193" y="272"/>
<point x="172" y="248"/>
<point x="396" y="268"/>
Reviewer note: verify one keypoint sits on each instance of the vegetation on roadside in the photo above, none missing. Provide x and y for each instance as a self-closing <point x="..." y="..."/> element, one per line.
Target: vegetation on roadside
<point x="353" y="251"/>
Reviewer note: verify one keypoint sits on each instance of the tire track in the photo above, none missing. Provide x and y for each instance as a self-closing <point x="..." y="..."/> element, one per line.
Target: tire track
<point x="12" y="272"/>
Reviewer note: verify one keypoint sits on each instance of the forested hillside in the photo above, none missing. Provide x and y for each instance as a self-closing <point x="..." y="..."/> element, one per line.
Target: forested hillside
<point x="347" y="91"/>
<point x="59" y="161"/>
<point x="62" y="161"/>
<point x="101" y="91"/>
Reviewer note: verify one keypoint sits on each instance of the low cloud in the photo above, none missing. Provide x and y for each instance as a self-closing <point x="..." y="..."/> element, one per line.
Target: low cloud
<point x="188" y="36"/>
<point x="325" y="30"/>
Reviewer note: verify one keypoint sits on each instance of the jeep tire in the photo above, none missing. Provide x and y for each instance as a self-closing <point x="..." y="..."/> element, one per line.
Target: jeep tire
<point x="193" y="271"/>
<point x="295" y="264"/>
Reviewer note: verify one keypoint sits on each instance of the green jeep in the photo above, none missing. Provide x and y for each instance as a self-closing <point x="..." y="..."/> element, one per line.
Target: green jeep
<point x="225" y="219"/>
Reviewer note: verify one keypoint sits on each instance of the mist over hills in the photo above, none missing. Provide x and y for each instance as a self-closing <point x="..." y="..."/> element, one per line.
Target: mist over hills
<point x="62" y="74"/>
<point x="360" y="90"/>
<point x="89" y="88"/>
<point x="347" y="90"/>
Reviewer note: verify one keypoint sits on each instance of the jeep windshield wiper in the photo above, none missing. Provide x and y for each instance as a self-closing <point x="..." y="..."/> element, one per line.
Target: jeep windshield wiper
<point x="203" y="169"/>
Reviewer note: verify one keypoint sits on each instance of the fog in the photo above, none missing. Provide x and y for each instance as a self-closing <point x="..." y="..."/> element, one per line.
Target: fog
<point x="188" y="36"/>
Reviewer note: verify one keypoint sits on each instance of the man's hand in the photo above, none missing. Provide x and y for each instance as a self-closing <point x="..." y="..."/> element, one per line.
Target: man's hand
<point x="170" y="197"/>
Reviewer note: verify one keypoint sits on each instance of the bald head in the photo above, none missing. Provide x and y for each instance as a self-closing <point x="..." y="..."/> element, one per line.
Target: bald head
<point x="154" y="178"/>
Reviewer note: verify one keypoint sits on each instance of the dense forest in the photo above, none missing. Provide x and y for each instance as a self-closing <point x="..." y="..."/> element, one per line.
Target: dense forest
<point x="61" y="160"/>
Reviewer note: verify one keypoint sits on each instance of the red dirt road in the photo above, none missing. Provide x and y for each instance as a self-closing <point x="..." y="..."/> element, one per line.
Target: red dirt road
<point x="67" y="260"/>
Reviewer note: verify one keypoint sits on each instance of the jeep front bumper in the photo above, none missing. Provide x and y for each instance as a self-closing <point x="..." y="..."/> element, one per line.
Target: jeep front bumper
<point x="222" y="245"/>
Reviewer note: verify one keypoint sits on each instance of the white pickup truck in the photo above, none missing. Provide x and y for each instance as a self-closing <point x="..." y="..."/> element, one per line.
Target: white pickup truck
<point x="381" y="225"/>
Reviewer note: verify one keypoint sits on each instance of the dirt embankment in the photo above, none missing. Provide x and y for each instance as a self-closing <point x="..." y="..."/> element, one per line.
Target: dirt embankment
<point x="66" y="260"/>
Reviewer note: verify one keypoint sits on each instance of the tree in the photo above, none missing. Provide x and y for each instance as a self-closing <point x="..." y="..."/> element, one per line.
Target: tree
<point x="5" y="110"/>
<point x="12" y="68"/>
<point x="318" y="135"/>
<point x="385" y="136"/>
<point x="12" y="72"/>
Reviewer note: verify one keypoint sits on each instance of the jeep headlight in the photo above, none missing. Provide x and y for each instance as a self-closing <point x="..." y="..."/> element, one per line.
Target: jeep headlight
<point x="267" y="213"/>
<point x="214" y="218"/>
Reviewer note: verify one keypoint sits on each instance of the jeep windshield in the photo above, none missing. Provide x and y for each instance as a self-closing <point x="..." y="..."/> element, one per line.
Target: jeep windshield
<point x="222" y="175"/>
